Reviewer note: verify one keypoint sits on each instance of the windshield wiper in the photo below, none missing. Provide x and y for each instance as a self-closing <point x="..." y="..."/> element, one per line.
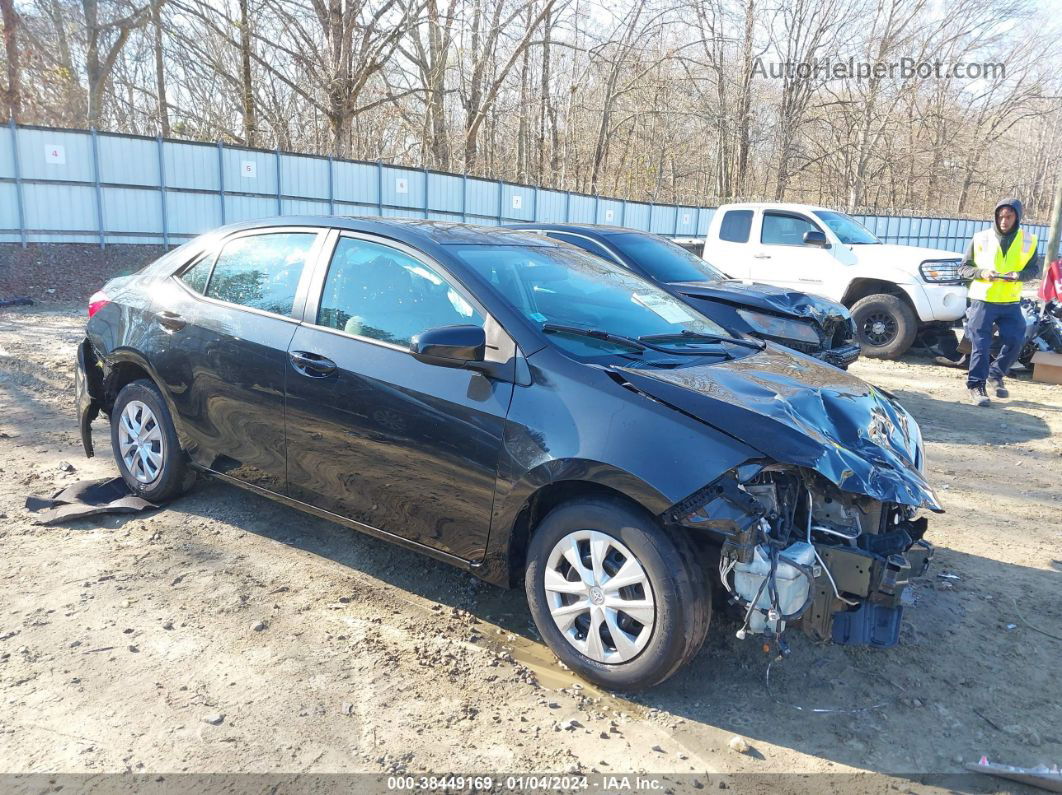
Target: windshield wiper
<point x="595" y="333"/>
<point x="694" y="335"/>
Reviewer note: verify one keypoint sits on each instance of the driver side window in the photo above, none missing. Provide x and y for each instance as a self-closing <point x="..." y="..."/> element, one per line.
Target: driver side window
<point x="785" y="230"/>
<point x="379" y="292"/>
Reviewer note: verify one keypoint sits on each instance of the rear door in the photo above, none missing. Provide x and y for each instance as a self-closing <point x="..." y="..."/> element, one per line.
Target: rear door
<point x="781" y="257"/>
<point x="227" y="319"/>
<point x="376" y="436"/>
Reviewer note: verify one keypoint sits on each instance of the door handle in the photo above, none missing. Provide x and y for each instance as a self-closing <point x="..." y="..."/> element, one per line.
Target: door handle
<point x="311" y="364"/>
<point x="171" y="320"/>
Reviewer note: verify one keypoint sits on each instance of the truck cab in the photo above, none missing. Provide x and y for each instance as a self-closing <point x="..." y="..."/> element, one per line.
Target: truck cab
<point x="893" y="291"/>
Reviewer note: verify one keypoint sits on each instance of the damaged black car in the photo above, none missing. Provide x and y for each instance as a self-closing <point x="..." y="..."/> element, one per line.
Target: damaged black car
<point x="531" y="413"/>
<point x="808" y="323"/>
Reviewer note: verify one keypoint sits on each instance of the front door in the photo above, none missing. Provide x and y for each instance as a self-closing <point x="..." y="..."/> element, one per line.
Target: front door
<point x="781" y="257"/>
<point x="377" y="436"/>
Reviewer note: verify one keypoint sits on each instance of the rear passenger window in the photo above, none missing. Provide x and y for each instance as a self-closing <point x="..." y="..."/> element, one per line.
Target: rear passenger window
<point x="735" y="226"/>
<point x="785" y="230"/>
<point x="261" y="271"/>
<point x="196" y="276"/>
<point x="379" y="292"/>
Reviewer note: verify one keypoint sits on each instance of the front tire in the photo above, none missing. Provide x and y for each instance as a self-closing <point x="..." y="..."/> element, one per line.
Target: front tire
<point x="145" y="444"/>
<point x="618" y="599"/>
<point x="885" y="324"/>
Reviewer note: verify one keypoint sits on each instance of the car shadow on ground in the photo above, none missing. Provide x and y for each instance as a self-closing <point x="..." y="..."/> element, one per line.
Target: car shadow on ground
<point x="959" y="422"/>
<point x="967" y="668"/>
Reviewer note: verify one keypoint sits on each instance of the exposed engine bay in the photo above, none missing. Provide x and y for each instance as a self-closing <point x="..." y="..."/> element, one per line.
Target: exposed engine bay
<point x="796" y="550"/>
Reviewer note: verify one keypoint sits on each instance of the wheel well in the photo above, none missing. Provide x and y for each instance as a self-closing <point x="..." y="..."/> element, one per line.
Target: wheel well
<point x="861" y="288"/>
<point x="121" y="374"/>
<point x="541" y="503"/>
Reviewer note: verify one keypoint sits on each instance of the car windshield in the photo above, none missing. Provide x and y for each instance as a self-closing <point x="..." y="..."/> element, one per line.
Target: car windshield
<point x="848" y="230"/>
<point x="565" y="286"/>
<point x="665" y="261"/>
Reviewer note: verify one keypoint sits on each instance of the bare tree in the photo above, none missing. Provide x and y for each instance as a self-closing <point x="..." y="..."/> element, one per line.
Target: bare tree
<point x="12" y="94"/>
<point x="104" y="41"/>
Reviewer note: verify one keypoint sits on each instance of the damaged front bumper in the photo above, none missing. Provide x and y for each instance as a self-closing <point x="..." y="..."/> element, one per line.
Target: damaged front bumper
<point x="796" y="550"/>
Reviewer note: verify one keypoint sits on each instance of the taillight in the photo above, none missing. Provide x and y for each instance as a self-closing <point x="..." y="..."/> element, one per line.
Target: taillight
<point x="98" y="300"/>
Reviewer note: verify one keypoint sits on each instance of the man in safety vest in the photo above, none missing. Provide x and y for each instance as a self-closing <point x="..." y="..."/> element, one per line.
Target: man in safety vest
<point x="997" y="261"/>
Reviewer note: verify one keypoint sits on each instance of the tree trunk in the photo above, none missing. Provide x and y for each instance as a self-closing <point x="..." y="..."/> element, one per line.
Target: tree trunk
<point x="160" y="71"/>
<point x="744" y="107"/>
<point x="92" y="61"/>
<point x="14" y="93"/>
<point x="250" y="121"/>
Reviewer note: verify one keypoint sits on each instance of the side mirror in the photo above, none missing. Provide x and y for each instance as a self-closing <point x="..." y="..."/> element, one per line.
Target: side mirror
<point x="450" y="346"/>
<point x="813" y="237"/>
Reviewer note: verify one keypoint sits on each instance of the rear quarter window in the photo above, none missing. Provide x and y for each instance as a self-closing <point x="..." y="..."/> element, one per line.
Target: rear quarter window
<point x="735" y="226"/>
<point x="196" y="277"/>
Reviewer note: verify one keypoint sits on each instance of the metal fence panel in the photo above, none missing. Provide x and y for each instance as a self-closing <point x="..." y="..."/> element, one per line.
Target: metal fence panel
<point x="305" y="177"/>
<point x="132" y="210"/>
<point x="79" y="186"/>
<point x="191" y="166"/>
<point x="636" y="215"/>
<point x="128" y="162"/>
<point x="581" y="209"/>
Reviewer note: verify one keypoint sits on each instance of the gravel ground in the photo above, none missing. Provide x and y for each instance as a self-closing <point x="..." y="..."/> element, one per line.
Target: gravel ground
<point x="229" y="633"/>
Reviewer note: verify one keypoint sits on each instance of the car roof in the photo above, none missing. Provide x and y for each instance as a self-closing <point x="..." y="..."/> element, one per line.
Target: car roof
<point x="599" y="230"/>
<point x="409" y="230"/>
<point x="783" y="206"/>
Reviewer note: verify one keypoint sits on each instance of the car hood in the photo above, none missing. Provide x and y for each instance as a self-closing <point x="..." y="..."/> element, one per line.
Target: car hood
<point x="801" y="412"/>
<point x="906" y="258"/>
<point x="780" y="300"/>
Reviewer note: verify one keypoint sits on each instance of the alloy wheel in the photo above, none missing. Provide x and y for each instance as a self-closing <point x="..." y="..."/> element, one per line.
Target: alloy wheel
<point x="599" y="596"/>
<point x="141" y="442"/>
<point x="879" y="328"/>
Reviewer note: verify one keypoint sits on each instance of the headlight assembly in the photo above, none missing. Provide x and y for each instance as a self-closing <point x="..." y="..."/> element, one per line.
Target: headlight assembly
<point x="940" y="270"/>
<point x="780" y="327"/>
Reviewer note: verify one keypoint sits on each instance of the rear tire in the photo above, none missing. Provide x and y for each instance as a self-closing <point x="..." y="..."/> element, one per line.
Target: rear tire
<point x="145" y="444"/>
<point x="636" y="646"/>
<point x="885" y="324"/>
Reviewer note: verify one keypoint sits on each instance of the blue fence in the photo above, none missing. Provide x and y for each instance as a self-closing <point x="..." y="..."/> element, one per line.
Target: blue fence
<point x="76" y="186"/>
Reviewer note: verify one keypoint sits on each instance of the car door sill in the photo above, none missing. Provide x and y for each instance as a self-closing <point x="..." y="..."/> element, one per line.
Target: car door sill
<point x="438" y="554"/>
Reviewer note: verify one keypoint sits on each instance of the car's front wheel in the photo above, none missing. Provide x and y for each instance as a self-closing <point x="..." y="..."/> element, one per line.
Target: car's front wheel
<point x="618" y="599"/>
<point x="145" y="444"/>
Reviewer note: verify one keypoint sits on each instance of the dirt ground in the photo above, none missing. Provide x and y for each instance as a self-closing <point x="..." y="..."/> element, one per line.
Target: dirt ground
<point x="229" y="633"/>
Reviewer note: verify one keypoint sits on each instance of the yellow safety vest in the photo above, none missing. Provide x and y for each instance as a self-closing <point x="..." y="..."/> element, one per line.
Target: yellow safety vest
<point x="988" y="255"/>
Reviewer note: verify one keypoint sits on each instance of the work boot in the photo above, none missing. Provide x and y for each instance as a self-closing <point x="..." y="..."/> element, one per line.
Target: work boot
<point x="1001" y="390"/>
<point x="978" y="395"/>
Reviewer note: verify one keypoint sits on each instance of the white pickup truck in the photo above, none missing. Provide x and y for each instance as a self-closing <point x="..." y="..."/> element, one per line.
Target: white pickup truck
<point x="892" y="291"/>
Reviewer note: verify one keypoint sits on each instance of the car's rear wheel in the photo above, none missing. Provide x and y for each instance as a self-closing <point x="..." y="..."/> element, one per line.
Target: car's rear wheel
<point x="145" y="444"/>
<point x="885" y="324"/>
<point x="618" y="599"/>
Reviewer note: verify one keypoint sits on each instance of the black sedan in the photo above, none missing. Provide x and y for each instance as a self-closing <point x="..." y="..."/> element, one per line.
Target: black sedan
<point x="810" y="324"/>
<point x="523" y="410"/>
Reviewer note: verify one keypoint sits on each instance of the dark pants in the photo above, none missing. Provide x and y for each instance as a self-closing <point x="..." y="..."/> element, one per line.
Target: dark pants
<point x="980" y="318"/>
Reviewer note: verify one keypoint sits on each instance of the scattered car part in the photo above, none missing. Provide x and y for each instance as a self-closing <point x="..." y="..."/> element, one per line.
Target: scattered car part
<point x="87" y="498"/>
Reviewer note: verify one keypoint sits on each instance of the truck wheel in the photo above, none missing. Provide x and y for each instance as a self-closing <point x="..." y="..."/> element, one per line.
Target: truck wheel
<point x="885" y="325"/>
<point x="617" y="598"/>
